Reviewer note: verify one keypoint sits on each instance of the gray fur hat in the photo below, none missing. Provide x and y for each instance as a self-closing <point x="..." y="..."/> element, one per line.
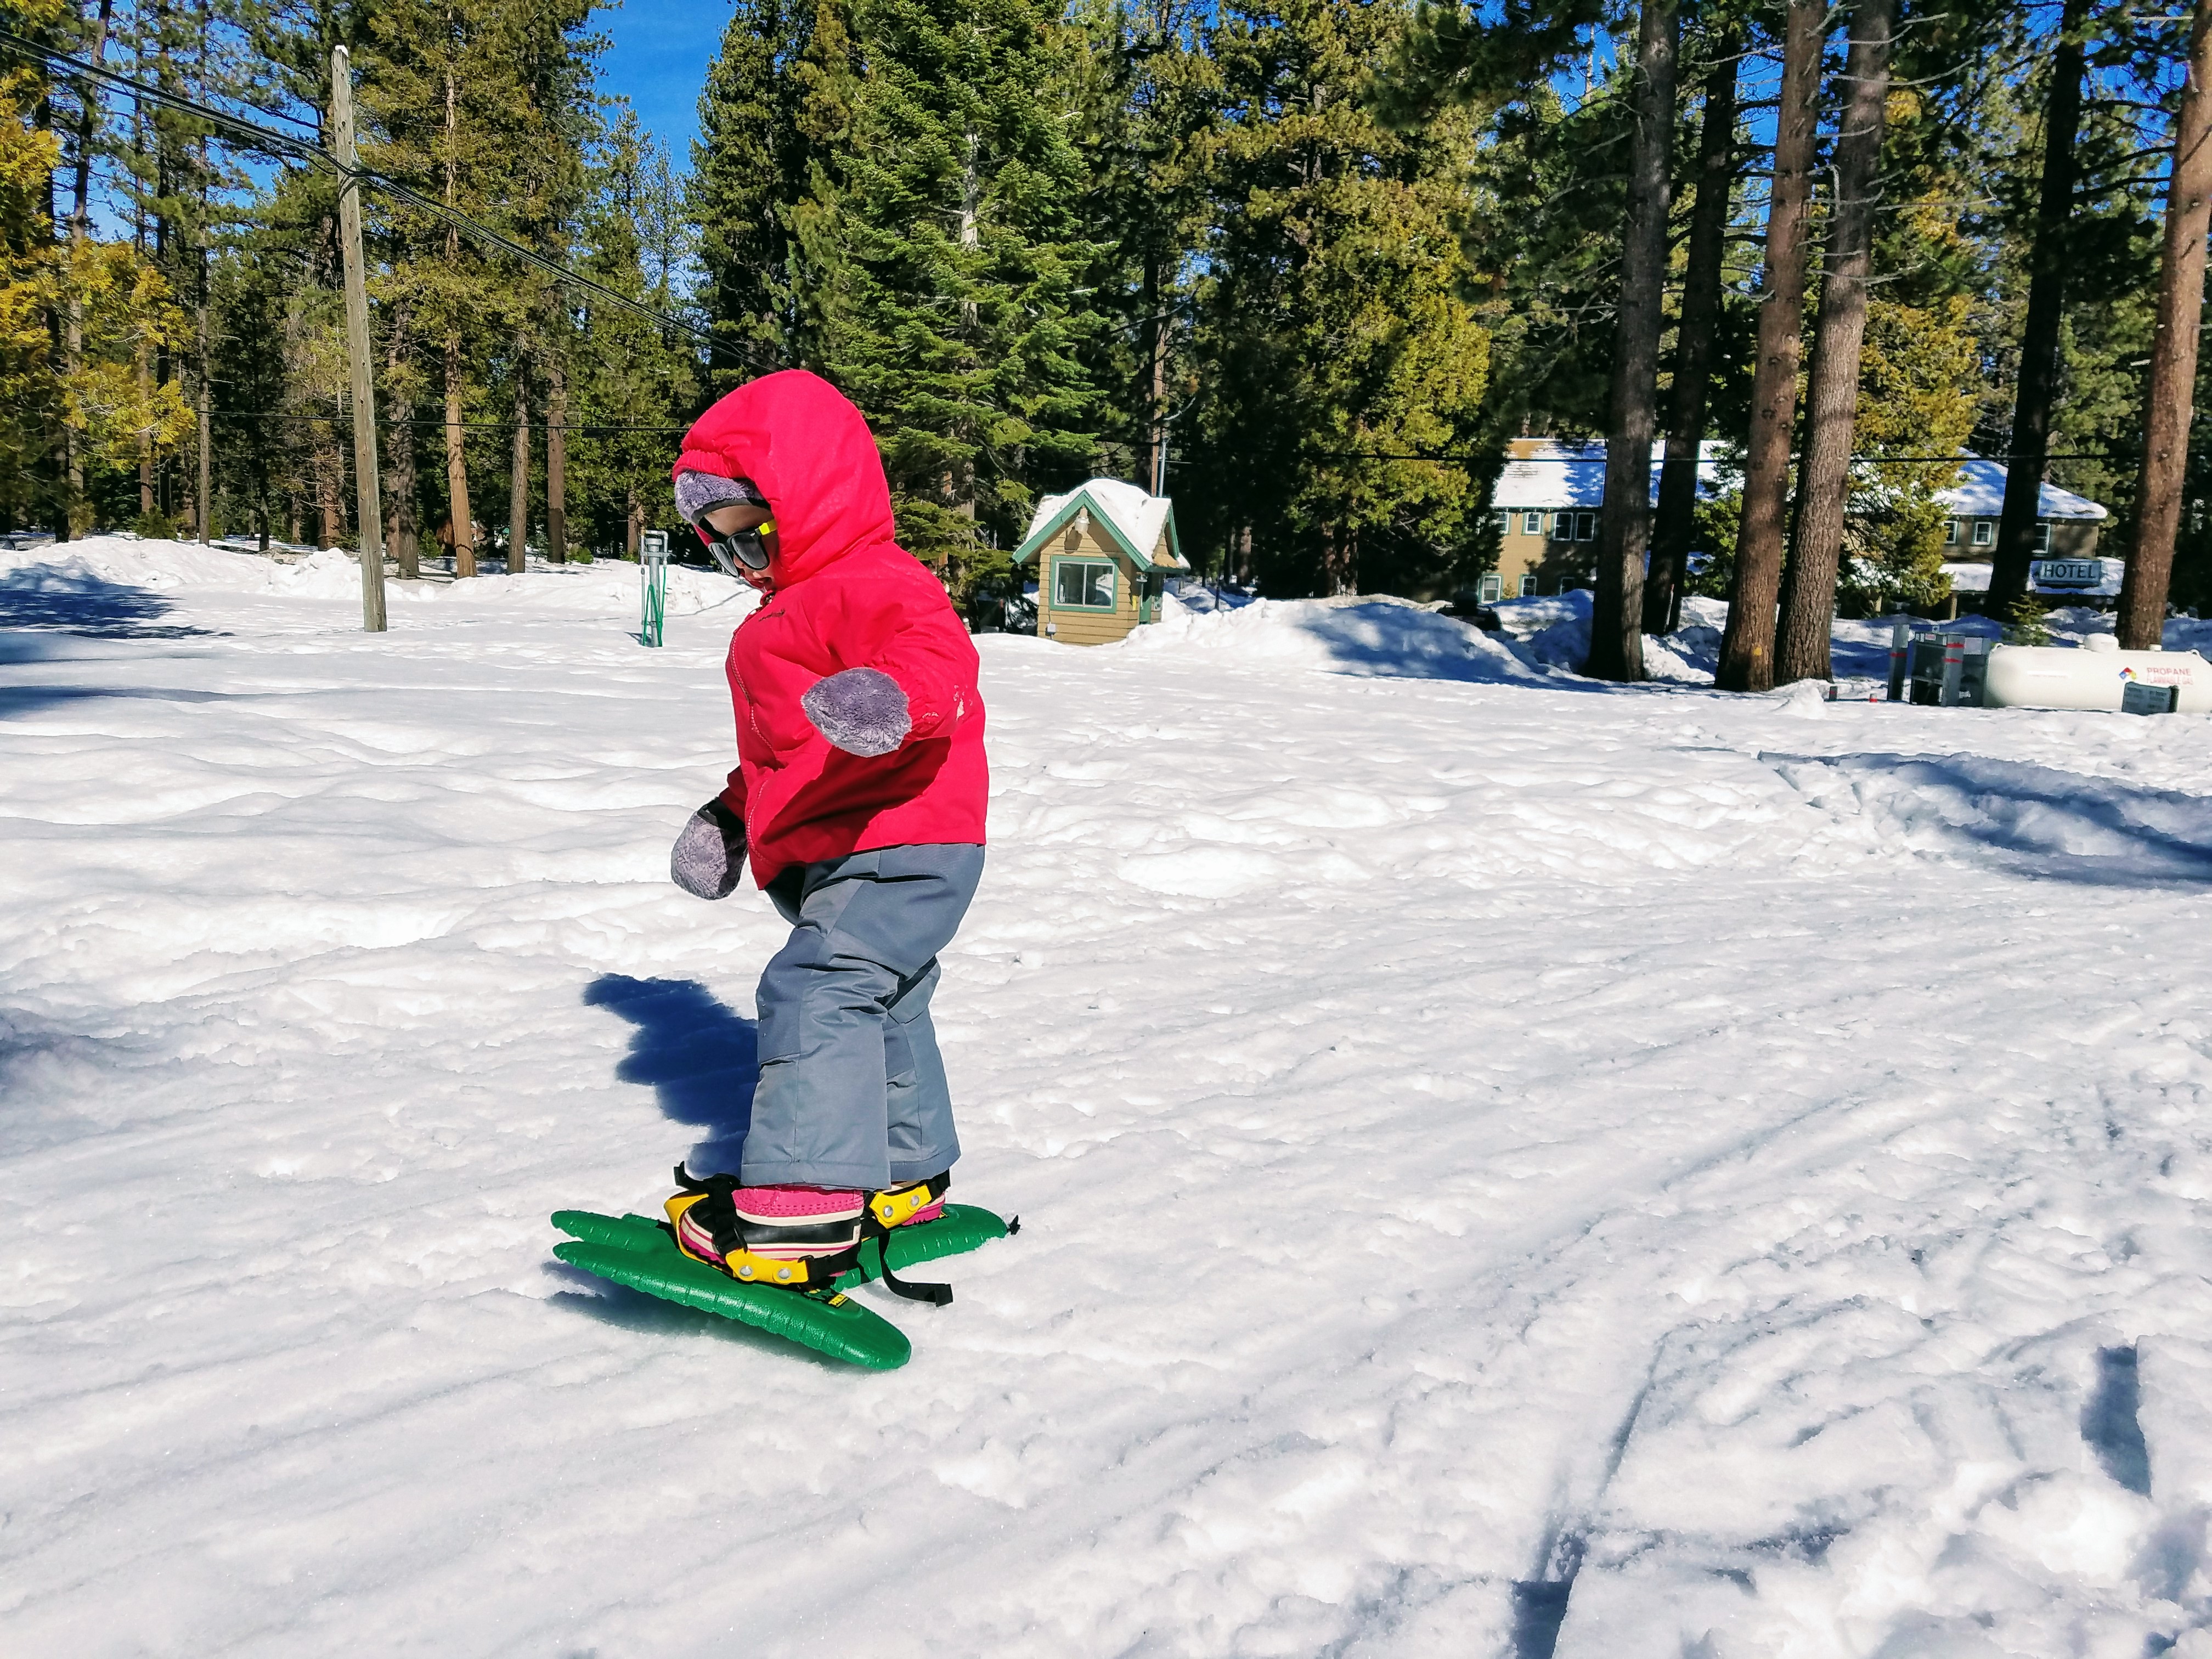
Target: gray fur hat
<point x="703" y="492"/>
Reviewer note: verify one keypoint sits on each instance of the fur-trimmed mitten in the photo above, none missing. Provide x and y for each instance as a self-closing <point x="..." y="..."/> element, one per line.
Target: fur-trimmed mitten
<point x="862" y="711"/>
<point x="710" y="854"/>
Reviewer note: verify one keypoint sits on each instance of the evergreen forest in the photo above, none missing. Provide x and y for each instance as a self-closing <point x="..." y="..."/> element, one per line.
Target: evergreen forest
<point x="1308" y="266"/>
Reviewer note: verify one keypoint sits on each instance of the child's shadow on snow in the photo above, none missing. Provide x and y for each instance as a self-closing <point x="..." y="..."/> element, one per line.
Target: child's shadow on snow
<point x="700" y="1056"/>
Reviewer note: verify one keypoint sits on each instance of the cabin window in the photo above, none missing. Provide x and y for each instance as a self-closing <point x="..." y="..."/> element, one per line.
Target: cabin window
<point x="1585" y="526"/>
<point x="1985" y="534"/>
<point x="1532" y="524"/>
<point x="2042" y="536"/>
<point x="1529" y="585"/>
<point x="1083" y="583"/>
<point x="1950" y="533"/>
<point x="1492" y="589"/>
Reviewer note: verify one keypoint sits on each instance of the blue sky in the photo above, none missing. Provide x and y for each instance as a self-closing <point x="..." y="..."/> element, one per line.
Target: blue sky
<point x="659" y="61"/>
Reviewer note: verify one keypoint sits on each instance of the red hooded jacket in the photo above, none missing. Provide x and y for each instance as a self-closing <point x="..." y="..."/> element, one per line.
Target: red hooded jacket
<point x="839" y="593"/>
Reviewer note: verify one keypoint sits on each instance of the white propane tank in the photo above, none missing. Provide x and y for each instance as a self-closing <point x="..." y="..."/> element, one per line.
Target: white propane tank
<point x="2094" y="677"/>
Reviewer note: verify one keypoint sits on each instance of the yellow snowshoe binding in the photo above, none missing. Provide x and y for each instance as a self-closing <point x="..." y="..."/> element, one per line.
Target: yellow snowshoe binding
<point x="800" y="1238"/>
<point x="911" y="1202"/>
<point x="795" y="1239"/>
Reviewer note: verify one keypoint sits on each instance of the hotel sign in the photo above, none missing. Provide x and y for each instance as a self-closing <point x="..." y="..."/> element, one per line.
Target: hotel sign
<point x="2067" y="572"/>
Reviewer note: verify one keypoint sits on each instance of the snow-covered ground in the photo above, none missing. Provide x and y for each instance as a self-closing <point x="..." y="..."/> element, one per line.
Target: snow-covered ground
<point x="1502" y="1159"/>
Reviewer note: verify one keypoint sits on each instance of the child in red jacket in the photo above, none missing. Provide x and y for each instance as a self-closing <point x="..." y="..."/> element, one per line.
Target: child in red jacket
<point x="859" y="796"/>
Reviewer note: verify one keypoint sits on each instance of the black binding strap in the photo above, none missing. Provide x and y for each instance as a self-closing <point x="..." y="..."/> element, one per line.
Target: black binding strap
<point x="935" y="1294"/>
<point x="871" y="1227"/>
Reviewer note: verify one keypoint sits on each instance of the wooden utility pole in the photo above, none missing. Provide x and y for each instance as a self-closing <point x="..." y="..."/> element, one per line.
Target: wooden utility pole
<point x="368" y="513"/>
<point x="2167" y="403"/>
<point x="1748" y="647"/>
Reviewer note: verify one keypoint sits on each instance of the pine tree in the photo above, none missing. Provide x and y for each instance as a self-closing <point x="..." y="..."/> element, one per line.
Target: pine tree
<point x="1342" y="354"/>
<point x="750" y="163"/>
<point x="631" y="373"/>
<point x="938" y="259"/>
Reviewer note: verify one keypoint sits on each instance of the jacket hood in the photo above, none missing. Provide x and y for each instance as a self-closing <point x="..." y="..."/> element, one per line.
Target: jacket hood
<point x="810" y="452"/>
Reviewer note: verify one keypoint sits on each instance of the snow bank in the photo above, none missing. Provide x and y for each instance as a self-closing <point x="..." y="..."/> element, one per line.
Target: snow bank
<point x="1554" y="632"/>
<point x="1383" y="638"/>
<point x="109" y="568"/>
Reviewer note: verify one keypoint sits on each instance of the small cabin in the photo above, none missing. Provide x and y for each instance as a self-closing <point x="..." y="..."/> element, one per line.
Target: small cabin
<point x="1102" y="554"/>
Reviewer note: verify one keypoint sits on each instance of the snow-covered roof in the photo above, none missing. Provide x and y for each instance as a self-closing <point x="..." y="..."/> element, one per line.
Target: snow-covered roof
<point x="1979" y="493"/>
<point x="1542" y="473"/>
<point x="1143" y="523"/>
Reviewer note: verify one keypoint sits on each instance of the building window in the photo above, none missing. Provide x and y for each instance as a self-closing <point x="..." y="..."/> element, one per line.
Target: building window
<point x="1492" y="588"/>
<point x="2043" y="535"/>
<point x="1585" y="526"/>
<point x="1985" y="534"/>
<point x="1950" y="533"/>
<point x="1529" y="585"/>
<point x="1532" y="524"/>
<point x="1083" y="583"/>
<point x="1506" y="522"/>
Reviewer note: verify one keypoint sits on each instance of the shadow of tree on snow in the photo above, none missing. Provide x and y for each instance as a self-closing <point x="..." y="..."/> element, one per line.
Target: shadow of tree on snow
<point x="2031" y="820"/>
<point x="76" y="602"/>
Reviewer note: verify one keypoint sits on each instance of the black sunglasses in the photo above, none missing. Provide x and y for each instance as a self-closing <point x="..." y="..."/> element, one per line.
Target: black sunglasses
<point x="739" y="547"/>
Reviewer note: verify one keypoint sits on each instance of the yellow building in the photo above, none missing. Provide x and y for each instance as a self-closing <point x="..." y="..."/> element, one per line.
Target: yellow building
<point x="1102" y="554"/>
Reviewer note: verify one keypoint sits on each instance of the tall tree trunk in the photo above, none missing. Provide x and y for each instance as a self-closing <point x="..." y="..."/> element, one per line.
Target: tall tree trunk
<point x="1625" y="526"/>
<point x="457" y="460"/>
<point x="2046" y="310"/>
<point x="1156" y="374"/>
<point x="402" y="532"/>
<point x="330" y="483"/>
<point x="145" y="439"/>
<point x="1831" y="393"/>
<point x="2167" y="402"/>
<point x="1675" y="524"/>
<point x="68" y="522"/>
<point x="634" y="524"/>
<point x="456" y="466"/>
<point x="557" y="458"/>
<point x="517" y="478"/>
<point x="1340" y="559"/>
<point x="204" y="507"/>
<point x="1748" y="647"/>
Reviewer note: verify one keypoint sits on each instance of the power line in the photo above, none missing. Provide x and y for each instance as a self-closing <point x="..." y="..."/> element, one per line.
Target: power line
<point x="571" y="427"/>
<point x="286" y="144"/>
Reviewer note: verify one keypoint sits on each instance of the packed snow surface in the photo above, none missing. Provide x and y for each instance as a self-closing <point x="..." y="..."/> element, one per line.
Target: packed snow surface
<point x="1508" y="1165"/>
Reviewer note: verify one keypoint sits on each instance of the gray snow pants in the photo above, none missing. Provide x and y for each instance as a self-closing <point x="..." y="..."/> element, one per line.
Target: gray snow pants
<point x="852" y="1090"/>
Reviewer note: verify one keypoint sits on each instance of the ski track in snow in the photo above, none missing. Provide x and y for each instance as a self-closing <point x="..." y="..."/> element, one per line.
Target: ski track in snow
<point x="1731" y="1164"/>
